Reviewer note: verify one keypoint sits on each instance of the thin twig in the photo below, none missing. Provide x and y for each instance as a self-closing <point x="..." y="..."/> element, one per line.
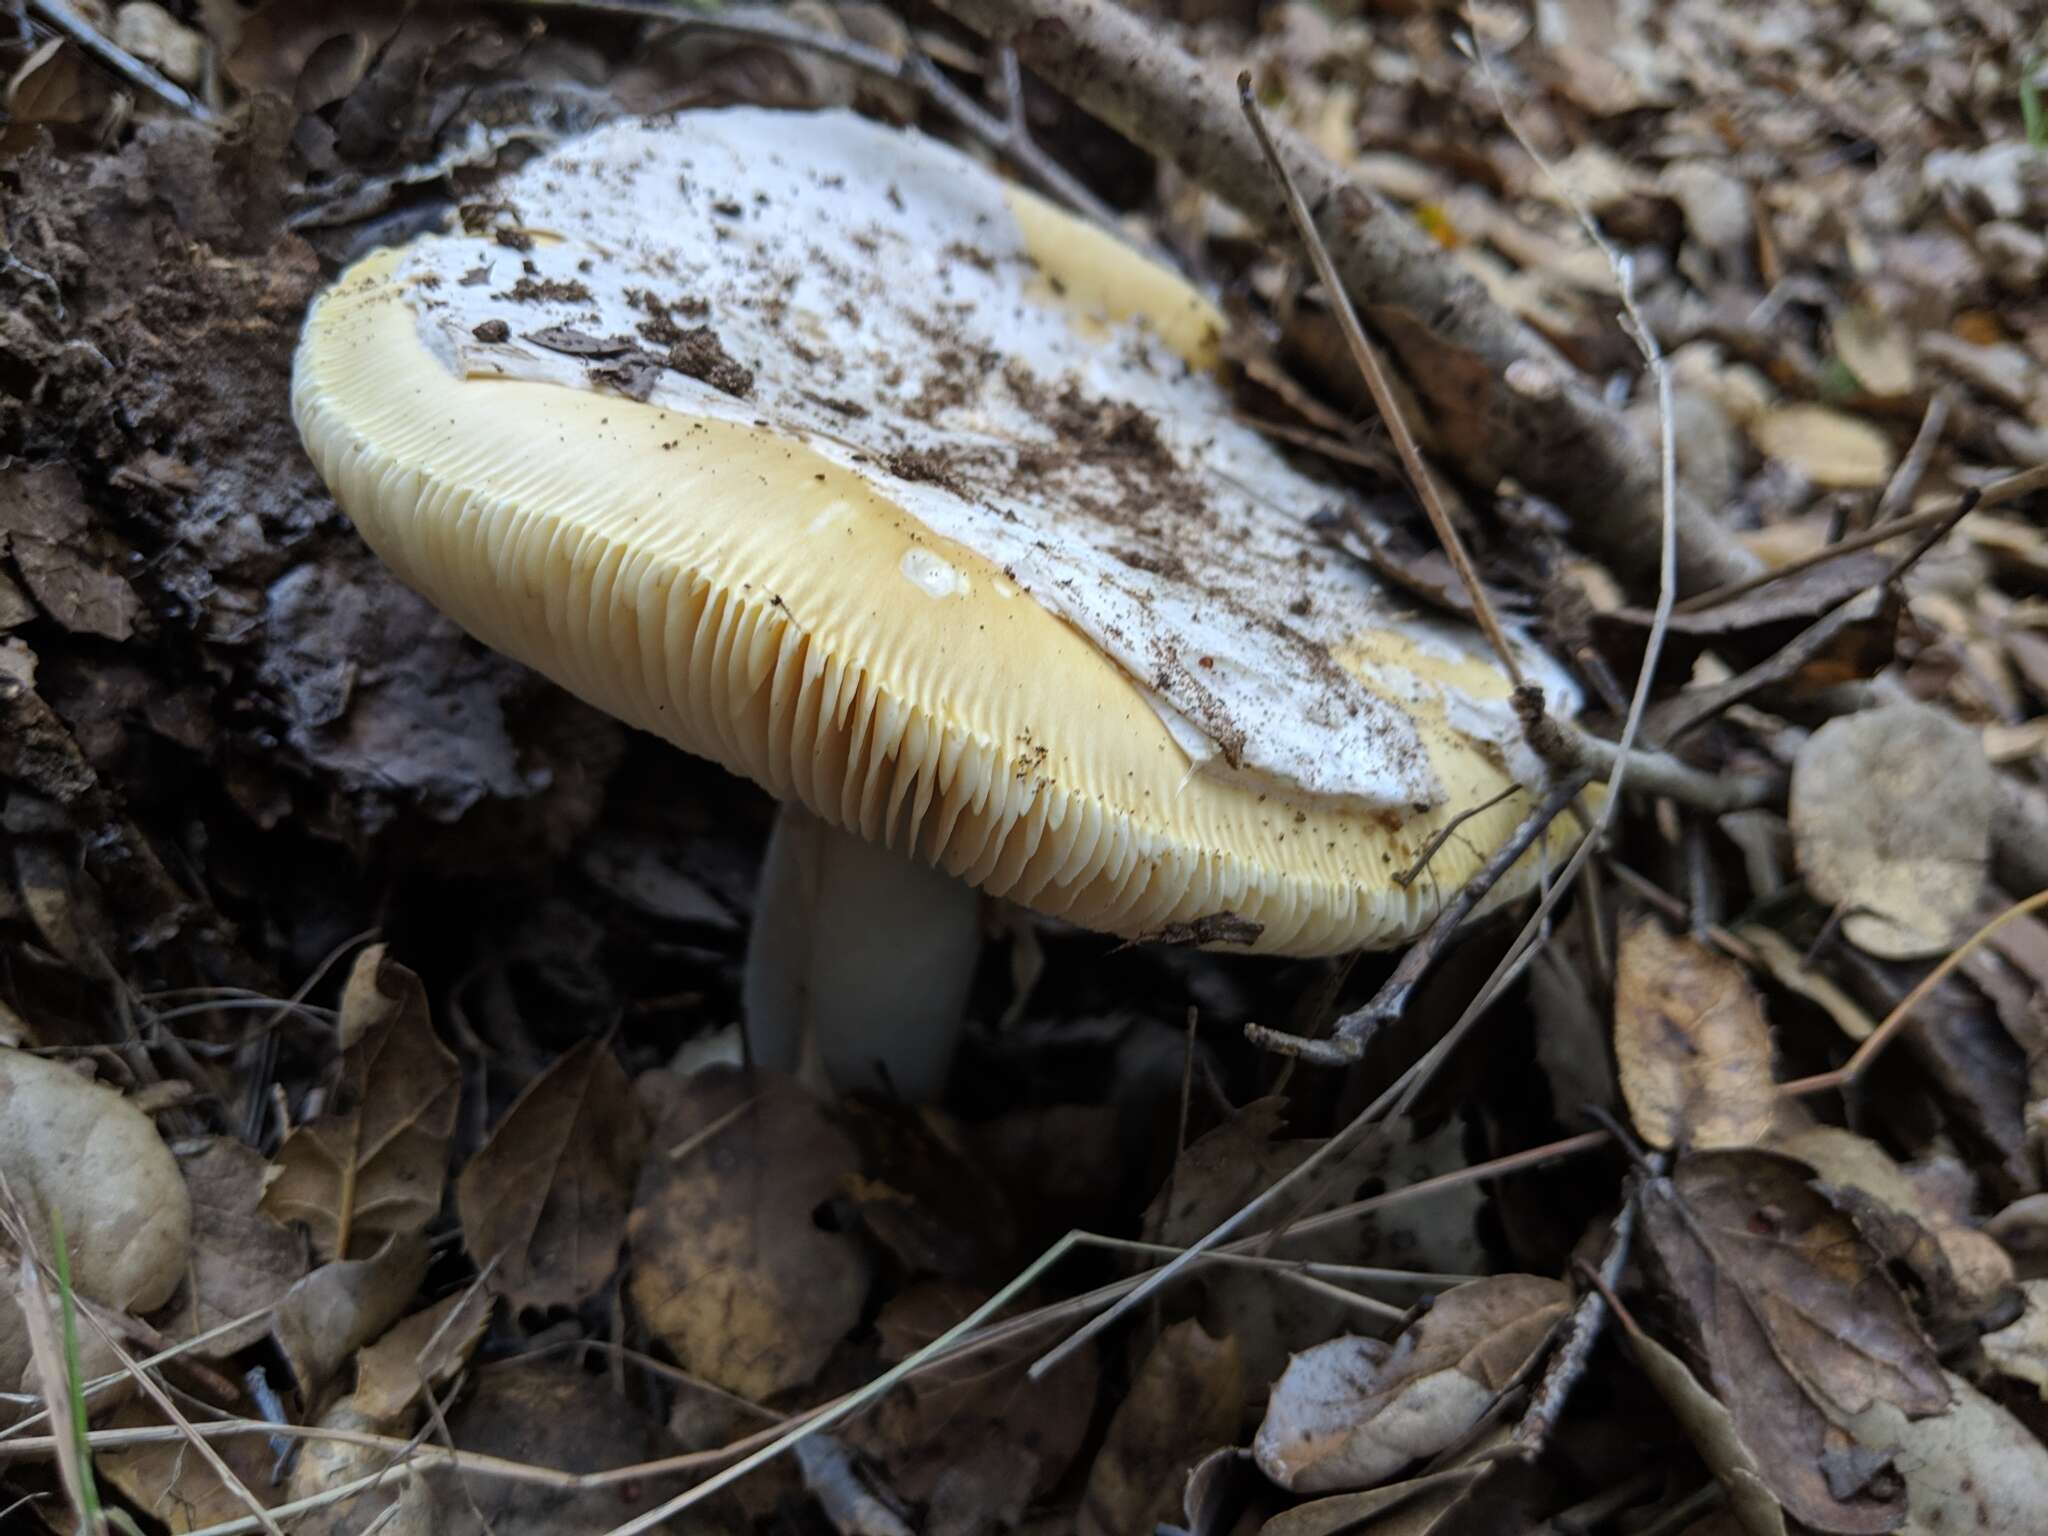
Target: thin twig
<point x="2011" y="488"/>
<point x="1443" y="834"/>
<point x="1367" y="357"/>
<point x="59" y="14"/>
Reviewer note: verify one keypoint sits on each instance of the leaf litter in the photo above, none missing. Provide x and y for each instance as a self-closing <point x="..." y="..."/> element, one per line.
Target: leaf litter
<point x="311" y="1189"/>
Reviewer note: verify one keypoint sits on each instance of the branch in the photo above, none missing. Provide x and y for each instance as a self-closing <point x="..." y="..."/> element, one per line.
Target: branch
<point x="1503" y="400"/>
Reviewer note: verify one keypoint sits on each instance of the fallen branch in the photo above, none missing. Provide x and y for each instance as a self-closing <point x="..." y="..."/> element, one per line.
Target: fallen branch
<point x="1504" y="401"/>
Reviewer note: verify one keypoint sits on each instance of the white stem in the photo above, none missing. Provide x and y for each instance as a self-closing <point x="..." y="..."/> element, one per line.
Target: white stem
<point x="859" y="962"/>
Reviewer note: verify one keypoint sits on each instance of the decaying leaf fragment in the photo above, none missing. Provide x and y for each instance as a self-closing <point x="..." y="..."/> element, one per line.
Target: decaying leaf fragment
<point x="242" y="1259"/>
<point x="1691" y="1042"/>
<point x="1974" y="1468"/>
<point x="1827" y="446"/>
<point x="1794" y="1327"/>
<point x="374" y="1167"/>
<point x="1185" y="1403"/>
<point x="729" y="1267"/>
<point x="972" y="1442"/>
<point x="547" y="1195"/>
<point x="1891" y="815"/>
<point x="1351" y="1412"/>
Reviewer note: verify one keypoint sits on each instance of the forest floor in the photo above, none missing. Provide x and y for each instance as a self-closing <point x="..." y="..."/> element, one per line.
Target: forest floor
<point x="356" y="983"/>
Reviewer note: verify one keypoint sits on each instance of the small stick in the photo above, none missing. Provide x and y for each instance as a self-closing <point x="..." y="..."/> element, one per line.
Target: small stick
<point x="59" y="14"/>
<point x="1442" y="835"/>
<point x="2011" y="488"/>
<point x="1367" y="356"/>
<point x="1905" y="480"/>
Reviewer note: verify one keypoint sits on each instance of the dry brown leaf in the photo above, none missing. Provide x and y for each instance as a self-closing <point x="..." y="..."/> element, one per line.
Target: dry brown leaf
<point x="1974" y="1468"/>
<point x="1691" y="1042"/>
<point x="551" y="1415"/>
<point x="71" y="1145"/>
<point x="398" y="1507"/>
<point x="374" y="1166"/>
<point x="170" y="1483"/>
<point x="547" y="1195"/>
<point x="1827" y="447"/>
<point x="1350" y="1413"/>
<point x="1891" y="814"/>
<point x="428" y="1347"/>
<point x="340" y="1307"/>
<point x="1788" y="967"/>
<point x="729" y="1268"/>
<point x="973" y="1443"/>
<point x="1185" y="1402"/>
<point x="242" y="1260"/>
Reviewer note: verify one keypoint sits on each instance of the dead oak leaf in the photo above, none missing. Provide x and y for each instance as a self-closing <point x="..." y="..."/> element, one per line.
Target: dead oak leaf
<point x="243" y="1261"/>
<point x="1691" y="1042"/>
<point x="728" y="1265"/>
<point x="547" y="1195"/>
<point x="375" y="1166"/>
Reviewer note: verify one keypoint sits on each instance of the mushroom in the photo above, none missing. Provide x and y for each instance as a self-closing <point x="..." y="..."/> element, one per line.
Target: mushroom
<point x="816" y="448"/>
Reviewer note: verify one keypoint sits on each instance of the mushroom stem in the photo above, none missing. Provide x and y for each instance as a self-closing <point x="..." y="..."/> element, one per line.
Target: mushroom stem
<point x="859" y="961"/>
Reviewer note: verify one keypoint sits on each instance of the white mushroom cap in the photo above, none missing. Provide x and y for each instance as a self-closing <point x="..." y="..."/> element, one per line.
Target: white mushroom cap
<point x="817" y="449"/>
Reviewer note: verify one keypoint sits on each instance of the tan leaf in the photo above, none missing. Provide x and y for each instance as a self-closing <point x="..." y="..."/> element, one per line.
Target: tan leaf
<point x="75" y="1146"/>
<point x="2020" y="1348"/>
<point x="1974" y="1468"/>
<point x="1185" y="1402"/>
<point x="729" y="1268"/>
<point x="242" y="1260"/>
<point x="1691" y="1043"/>
<point x="1350" y="1413"/>
<point x="547" y="1195"/>
<point x="1827" y="447"/>
<point x="1891" y="814"/>
<point x="1876" y="348"/>
<point x="429" y="1346"/>
<point x="375" y="1166"/>
<point x="340" y="1307"/>
<point x="169" y="1482"/>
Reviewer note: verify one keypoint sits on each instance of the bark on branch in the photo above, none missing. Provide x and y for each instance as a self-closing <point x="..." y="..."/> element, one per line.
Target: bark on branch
<point x="1504" y="401"/>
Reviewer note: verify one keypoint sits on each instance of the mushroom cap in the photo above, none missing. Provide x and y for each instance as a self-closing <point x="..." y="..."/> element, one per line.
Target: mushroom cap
<point x="819" y="450"/>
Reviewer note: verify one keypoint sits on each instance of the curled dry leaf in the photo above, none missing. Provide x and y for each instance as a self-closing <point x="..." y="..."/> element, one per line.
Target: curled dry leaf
<point x="1827" y="447"/>
<point x="1349" y="1413"/>
<point x="340" y="1307"/>
<point x="396" y="1507"/>
<point x="1891" y="815"/>
<point x="547" y="1195"/>
<point x="973" y="1443"/>
<point x="1960" y="1272"/>
<point x="1691" y="1042"/>
<point x="729" y="1266"/>
<point x="374" y="1167"/>
<point x="243" y="1262"/>
<point x="1184" y="1404"/>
